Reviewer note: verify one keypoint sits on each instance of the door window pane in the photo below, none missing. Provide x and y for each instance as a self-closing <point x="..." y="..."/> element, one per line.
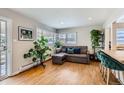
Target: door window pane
<point x="3" y="62"/>
<point x="120" y="37"/>
<point x="3" y="49"/>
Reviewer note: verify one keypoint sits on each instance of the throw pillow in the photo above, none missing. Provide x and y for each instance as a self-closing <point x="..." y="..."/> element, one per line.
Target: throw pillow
<point x="70" y="50"/>
<point x="77" y="50"/>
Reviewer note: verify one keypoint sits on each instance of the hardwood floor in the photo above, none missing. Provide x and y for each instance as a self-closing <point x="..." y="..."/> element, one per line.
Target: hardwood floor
<point x="66" y="74"/>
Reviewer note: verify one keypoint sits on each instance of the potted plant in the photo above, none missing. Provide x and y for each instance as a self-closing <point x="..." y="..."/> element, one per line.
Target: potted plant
<point x="39" y="52"/>
<point x="95" y="38"/>
<point x="57" y="44"/>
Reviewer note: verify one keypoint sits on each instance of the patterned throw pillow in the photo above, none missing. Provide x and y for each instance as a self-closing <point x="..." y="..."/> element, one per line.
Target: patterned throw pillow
<point x="70" y="50"/>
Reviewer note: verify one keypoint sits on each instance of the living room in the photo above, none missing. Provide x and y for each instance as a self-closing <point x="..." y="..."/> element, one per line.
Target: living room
<point x="61" y="46"/>
<point x="69" y="28"/>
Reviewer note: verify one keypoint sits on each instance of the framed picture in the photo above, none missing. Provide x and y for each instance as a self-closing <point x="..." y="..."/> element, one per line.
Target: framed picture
<point x="25" y="34"/>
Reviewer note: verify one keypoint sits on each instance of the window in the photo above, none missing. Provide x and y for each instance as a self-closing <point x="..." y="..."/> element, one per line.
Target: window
<point x="54" y="37"/>
<point x="120" y="37"/>
<point x="62" y="37"/>
<point x="39" y="33"/>
<point x="49" y="35"/>
<point x="71" y="38"/>
<point x="50" y="38"/>
<point x="67" y="38"/>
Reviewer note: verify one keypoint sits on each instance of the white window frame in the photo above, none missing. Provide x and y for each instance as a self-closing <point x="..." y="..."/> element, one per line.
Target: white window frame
<point x="65" y="41"/>
<point x="47" y="34"/>
<point x="62" y="40"/>
<point x="39" y="30"/>
<point x="74" y="42"/>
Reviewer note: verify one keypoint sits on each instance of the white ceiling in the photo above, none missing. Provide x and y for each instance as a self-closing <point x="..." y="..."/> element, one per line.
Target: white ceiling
<point x="67" y="17"/>
<point x="120" y="19"/>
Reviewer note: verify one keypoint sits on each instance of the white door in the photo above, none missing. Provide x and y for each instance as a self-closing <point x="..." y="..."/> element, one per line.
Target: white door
<point x="3" y="49"/>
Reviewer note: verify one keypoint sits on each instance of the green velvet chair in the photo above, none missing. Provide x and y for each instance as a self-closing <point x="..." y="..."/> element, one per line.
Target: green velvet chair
<point x="98" y="55"/>
<point x="101" y="62"/>
<point x="110" y="64"/>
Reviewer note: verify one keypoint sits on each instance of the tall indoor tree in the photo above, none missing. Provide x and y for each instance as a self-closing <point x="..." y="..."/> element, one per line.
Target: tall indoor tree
<point x="40" y="51"/>
<point x="95" y="38"/>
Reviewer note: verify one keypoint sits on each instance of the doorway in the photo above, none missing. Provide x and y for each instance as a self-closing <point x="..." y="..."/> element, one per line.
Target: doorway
<point x="5" y="49"/>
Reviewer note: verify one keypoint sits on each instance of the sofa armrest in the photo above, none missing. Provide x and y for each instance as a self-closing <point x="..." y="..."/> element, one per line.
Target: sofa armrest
<point x="58" y="50"/>
<point x="88" y="52"/>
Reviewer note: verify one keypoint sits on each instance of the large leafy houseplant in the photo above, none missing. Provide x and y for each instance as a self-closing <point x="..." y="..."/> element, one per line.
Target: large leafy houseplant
<point x="40" y="51"/>
<point x="95" y="38"/>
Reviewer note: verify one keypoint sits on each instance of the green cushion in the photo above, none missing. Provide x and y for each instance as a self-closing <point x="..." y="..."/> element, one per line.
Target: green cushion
<point x="70" y="50"/>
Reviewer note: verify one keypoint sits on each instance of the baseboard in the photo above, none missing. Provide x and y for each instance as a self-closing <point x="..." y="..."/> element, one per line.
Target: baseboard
<point x="26" y="67"/>
<point x="15" y="73"/>
<point x="23" y="68"/>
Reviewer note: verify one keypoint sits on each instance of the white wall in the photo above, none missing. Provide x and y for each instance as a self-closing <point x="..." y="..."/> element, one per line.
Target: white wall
<point x="20" y="47"/>
<point x="119" y="12"/>
<point x="83" y="34"/>
<point x="107" y="37"/>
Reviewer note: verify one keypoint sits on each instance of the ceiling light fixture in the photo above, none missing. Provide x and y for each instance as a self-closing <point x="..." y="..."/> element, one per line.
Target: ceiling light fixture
<point x="61" y="22"/>
<point x="90" y="18"/>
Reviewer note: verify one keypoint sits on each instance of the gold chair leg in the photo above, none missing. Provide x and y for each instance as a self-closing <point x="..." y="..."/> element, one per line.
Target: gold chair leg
<point x="118" y="75"/>
<point x="108" y="75"/>
<point x="115" y="73"/>
<point x="105" y="74"/>
<point x="100" y="66"/>
<point x="102" y="69"/>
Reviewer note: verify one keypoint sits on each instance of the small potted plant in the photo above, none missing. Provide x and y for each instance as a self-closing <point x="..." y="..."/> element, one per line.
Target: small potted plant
<point x="58" y="46"/>
<point x="39" y="52"/>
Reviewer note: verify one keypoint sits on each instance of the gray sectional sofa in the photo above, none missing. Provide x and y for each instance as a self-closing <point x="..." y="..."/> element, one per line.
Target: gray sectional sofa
<point x="81" y="57"/>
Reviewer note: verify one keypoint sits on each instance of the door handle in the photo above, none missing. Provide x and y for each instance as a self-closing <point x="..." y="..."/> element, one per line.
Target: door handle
<point x="2" y="48"/>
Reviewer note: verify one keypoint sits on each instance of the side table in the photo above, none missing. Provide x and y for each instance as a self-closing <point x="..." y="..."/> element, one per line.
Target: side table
<point x="91" y="56"/>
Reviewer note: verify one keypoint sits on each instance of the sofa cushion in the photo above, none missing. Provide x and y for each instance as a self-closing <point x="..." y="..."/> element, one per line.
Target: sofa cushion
<point x="77" y="50"/>
<point x="77" y="55"/>
<point x="84" y="50"/>
<point x="70" y="50"/>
